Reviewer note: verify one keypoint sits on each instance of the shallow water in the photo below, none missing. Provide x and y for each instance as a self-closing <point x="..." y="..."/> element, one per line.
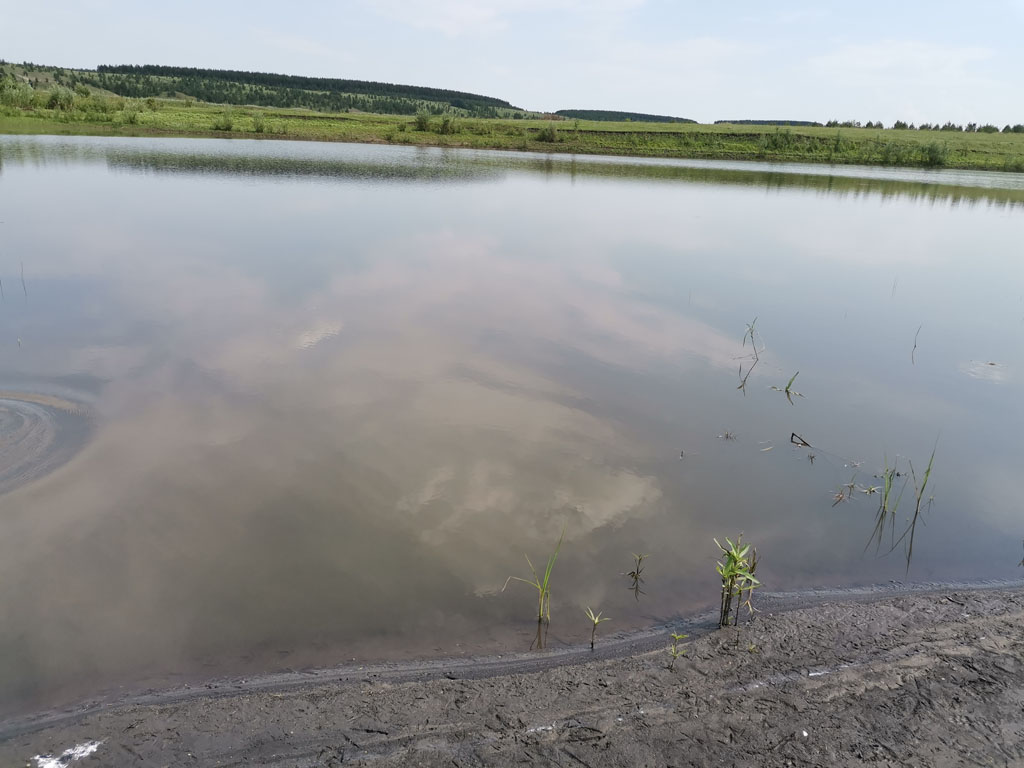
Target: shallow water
<point x="327" y="396"/>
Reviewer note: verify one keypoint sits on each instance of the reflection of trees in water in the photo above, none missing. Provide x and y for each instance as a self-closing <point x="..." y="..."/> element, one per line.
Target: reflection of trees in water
<point x="485" y="169"/>
<point x="385" y="164"/>
<point x="837" y="185"/>
<point x="241" y="165"/>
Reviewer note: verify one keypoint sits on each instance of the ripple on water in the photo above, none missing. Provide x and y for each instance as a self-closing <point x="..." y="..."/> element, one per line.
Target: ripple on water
<point x="38" y="433"/>
<point x="985" y="370"/>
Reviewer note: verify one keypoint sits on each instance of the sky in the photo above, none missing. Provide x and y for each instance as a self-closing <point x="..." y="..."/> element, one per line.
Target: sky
<point x="901" y="59"/>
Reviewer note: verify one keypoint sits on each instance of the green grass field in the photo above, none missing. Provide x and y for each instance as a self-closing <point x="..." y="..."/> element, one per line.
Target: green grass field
<point x="91" y="112"/>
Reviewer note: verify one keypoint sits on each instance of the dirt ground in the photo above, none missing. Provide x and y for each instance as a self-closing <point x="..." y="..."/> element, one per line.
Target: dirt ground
<point x="913" y="679"/>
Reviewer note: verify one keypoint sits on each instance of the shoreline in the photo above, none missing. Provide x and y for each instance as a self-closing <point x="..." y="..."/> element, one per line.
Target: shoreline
<point x="785" y="636"/>
<point x="880" y="148"/>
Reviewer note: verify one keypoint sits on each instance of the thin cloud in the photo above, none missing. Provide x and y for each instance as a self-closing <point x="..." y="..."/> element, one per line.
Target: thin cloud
<point x="305" y="46"/>
<point x="689" y="75"/>
<point x="912" y="79"/>
<point x="903" y="59"/>
<point x="457" y="18"/>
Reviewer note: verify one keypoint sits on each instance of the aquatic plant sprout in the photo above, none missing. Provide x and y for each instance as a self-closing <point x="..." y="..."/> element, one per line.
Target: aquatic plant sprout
<point x="788" y="390"/>
<point x="595" y="619"/>
<point x="543" y="586"/>
<point x="636" y="574"/>
<point x="674" y="650"/>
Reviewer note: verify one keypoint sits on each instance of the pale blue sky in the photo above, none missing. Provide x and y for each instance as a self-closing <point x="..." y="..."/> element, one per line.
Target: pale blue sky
<point x="919" y="61"/>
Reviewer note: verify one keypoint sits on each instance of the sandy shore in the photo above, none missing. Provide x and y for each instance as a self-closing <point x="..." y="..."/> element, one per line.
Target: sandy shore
<point x="881" y="678"/>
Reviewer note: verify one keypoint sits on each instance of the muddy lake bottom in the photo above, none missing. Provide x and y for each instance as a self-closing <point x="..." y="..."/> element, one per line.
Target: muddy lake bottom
<point x="888" y="678"/>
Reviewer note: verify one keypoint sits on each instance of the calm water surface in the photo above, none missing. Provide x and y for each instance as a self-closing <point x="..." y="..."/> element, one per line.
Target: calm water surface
<point x="268" y="405"/>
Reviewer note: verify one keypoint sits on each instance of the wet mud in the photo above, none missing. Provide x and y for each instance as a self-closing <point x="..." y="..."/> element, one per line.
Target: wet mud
<point x="879" y="677"/>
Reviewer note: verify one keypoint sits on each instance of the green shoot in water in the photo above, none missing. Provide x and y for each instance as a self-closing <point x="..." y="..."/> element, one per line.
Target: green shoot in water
<point x="888" y="503"/>
<point x="596" y="620"/>
<point x="788" y="390"/>
<point x="635" y="575"/>
<point x="543" y="586"/>
<point x="919" y="491"/>
<point x="750" y="334"/>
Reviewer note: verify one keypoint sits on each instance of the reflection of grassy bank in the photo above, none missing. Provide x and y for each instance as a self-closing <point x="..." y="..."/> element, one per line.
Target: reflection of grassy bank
<point x="242" y="160"/>
<point x="113" y="116"/>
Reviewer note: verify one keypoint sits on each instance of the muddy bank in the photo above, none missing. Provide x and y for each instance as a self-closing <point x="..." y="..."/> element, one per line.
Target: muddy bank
<point x="917" y="678"/>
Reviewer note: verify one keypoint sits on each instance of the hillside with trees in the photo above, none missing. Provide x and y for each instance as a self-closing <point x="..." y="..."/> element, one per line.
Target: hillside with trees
<point x="222" y="86"/>
<point x="607" y="116"/>
<point x="806" y="123"/>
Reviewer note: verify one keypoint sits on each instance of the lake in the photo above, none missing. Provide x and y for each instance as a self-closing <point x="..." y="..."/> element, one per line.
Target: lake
<point x="271" y="405"/>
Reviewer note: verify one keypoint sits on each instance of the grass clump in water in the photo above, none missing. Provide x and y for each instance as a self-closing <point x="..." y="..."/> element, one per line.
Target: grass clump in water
<point x="542" y="585"/>
<point x="889" y="502"/>
<point x="919" y="491"/>
<point x="736" y="570"/>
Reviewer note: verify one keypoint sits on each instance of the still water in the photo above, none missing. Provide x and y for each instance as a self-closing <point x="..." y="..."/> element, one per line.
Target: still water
<point x="268" y="405"/>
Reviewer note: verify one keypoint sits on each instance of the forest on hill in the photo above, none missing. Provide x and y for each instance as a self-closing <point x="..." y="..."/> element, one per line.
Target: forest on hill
<point x="608" y="116"/>
<point x="809" y="123"/>
<point x="223" y="86"/>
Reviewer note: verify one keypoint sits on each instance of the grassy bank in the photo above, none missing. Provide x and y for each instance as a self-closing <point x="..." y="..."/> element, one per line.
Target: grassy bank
<point x="99" y="114"/>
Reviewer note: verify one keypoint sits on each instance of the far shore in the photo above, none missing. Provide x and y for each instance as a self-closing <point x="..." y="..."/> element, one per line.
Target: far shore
<point x="802" y="144"/>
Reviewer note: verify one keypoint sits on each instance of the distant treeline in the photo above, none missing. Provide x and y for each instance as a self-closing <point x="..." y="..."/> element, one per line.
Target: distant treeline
<point x="272" y="90"/>
<point x="901" y="125"/>
<point x="810" y="123"/>
<point x="619" y="117"/>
